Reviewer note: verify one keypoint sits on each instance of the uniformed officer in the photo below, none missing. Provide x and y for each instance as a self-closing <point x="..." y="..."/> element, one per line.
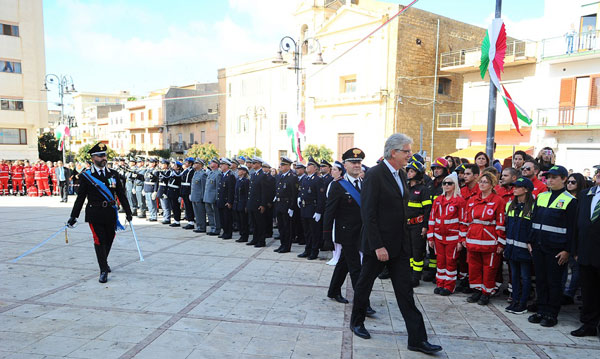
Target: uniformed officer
<point x="100" y="186"/>
<point x="312" y="204"/>
<point x="186" y="191"/>
<point x="174" y="192"/>
<point x="417" y="217"/>
<point x="138" y="177"/>
<point x="151" y="188"/>
<point x="269" y="210"/>
<point x="197" y="195"/>
<point x="285" y="204"/>
<point x="240" y="202"/>
<point x="163" y="181"/>
<point x="553" y="239"/>
<point x="257" y="203"/>
<point x="235" y="164"/>
<point x="325" y="168"/>
<point x="129" y="185"/>
<point x="297" y="229"/>
<point x="225" y="197"/>
<point x="210" y="197"/>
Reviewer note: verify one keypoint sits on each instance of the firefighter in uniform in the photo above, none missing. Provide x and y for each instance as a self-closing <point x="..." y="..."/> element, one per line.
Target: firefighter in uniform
<point x="553" y="239"/>
<point x="285" y="204"/>
<point x="151" y="188"/>
<point x="417" y="217"/>
<point x="186" y="191"/>
<point x="101" y="210"/>
<point x="440" y="171"/>
<point x="311" y="201"/>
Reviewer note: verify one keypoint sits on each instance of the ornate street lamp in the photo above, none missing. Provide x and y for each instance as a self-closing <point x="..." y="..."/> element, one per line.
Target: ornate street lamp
<point x="65" y="87"/>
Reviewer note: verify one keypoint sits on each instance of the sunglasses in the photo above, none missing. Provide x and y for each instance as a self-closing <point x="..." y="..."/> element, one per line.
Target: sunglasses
<point x="526" y="168"/>
<point x="572" y="182"/>
<point x="447" y="183"/>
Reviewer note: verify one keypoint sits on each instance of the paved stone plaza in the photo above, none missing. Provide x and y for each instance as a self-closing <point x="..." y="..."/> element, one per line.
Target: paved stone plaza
<point x="197" y="296"/>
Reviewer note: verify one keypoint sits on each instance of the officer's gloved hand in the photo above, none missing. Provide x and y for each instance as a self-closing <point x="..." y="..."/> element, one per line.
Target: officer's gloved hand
<point x="153" y="196"/>
<point x="71" y="222"/>
<point x="299" y="202"/>
<point x="129" y="218"/>
<point x="143" y="193"/>
<point x="133" y="190"/>
<point x="165" y="196"/>
<point x="291" y="212"/>
<point x="190" y="197"/>
<point x="317" y="217"/>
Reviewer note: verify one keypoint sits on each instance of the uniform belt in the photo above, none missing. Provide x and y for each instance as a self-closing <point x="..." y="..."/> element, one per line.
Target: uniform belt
<point x="162" y="184"/>
<point x="415" y="220"/>
<point x="101" y="203"/>
<point x="150" y="183"/>
<point x="186" y="184"/>
<point x="173" y="186"/>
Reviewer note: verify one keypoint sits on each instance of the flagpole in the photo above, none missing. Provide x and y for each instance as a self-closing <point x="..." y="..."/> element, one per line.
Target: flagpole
<point x="491" y="124"/>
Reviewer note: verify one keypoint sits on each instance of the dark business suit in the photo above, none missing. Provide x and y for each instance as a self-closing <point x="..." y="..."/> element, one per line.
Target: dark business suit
<point x="588" y="257"/>
<point x="383" y="209"/>
<point x="63" y="185"/>
<point x="342" y="209"/>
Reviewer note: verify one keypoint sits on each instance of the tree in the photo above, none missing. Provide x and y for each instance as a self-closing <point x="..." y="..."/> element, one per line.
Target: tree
<point x="83" y="155"/>
<point x="318" y="153"/>
<point x="249" y="152"/>
<point x="160" y="153"/>
<point x="48" y="147"/>
<point x="205" y="151"/>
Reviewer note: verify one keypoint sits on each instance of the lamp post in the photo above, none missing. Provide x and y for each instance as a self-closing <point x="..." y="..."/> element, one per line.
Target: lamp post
<point x="65" y="87"/>
<point x="295" y="47"/>
<point x="255" y="111"/>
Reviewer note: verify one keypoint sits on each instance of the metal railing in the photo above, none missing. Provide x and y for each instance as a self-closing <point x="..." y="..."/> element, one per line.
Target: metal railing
<point x="516" y="48"/>
<point x="447" y="121"/>
<point x="569" y="116"/>
<point x="572" y="43"/>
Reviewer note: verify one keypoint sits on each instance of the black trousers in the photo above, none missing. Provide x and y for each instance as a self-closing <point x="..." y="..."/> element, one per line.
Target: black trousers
<point x="400" y="273"/>
<point x="312" y="236"/>
<point x="590" y="294"/>
<point x="297" y="228"/>
<point x="103" y="234"/>
<point x="259" y="227"/>
<point x="64" y="190"/>
<point x="284" y="226"/>
<point x="269" y="221"/>
<point x="349" y="263"/>
<point x="548" y="280"/>
<point x="189" y="209"/>
<point x="175" y="207"/>
<point x="242" y="223"/>
<point x="226" y="216"/>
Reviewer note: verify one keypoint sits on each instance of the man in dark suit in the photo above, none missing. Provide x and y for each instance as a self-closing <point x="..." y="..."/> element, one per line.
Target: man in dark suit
<point x="285" y="204"/>
<point x="312" y="205"/>
<point x="225" y="197"/>
<point x="62" y="175"/>
<point x="100" y="212"/>
<point x="385" y="242"/>
<point x="257" y="203"/>
<point x="587" y="254"/>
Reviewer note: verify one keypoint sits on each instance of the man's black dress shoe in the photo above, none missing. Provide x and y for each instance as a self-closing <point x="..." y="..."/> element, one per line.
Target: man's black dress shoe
<point x="370" y="311"/>
<point x="535" y="318"/>
<point x="260" y="245"/>
<point x="584" y="331"/>
<point x="152" y="220"/>
<point x="198" y="231"/>
<point x="285" y="250"/>
<point x="241" y="240"/>
<point x="166" y="222"/>
<point x="103" y="277"/>
<point x="361" y="331"/>
<point x="226" y="237"/>
<point x="188" y="226"/>
<point x="174" y="225"/>
<point x="312" y="256"/>
<point x="338" y="298"/>
<point x="251" y="243"/>
<point x="277" y="250"/>
<point x="425" y="347"/>
<point x="212" y="233"/>
<point x="303" y="254"/>
<point x="548" y="321"/>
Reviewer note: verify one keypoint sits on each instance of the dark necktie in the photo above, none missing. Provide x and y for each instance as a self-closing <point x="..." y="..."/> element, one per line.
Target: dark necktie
<point x="356" y="185"/>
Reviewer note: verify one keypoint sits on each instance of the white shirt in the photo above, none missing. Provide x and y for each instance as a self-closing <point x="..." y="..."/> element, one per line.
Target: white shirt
<point x="595" y="201"/>
<point x="396" y="176"/>
<point x="101" y="170"/>
<point x="353" y="180"/>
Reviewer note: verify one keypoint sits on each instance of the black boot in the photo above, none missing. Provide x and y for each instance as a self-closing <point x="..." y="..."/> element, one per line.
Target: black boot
<point x="429" y="275"/>
<point x="416" y="279"/>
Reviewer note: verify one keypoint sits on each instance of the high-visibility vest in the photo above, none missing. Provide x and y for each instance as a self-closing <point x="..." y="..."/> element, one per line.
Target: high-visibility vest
<point x="549" y="221"/>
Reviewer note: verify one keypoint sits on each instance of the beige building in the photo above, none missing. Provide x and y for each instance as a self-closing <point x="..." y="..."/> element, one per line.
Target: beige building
<point x="23" y="108"/>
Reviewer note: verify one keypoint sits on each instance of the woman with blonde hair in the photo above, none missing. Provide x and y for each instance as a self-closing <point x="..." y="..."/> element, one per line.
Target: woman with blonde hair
<point x="446" y="228"/>
<point x="485" y="238"/>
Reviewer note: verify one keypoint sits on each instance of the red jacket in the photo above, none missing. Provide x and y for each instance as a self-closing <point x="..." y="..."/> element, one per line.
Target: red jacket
<point x="485" y="218"/>
<point x="446" y="219"/>
<point x="467" y="193"/>
<point x="538" y="187"/>
<point x="17" y="173"/>
<point x="506" y="194"/>
<point x="29" y="174"/>
<point x="4" y="171"/>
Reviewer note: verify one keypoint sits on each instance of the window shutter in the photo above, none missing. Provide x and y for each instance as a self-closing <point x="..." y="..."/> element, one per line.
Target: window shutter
<point x="594" y="90"/>
<point x="567" y="92"/>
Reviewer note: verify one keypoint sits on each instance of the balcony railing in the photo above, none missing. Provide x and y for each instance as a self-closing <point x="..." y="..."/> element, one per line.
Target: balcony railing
<point x="569" y="117"/>
<point x="472" y="57"/>
<point x="449" y="121"/>
<point x="571" y="44"/>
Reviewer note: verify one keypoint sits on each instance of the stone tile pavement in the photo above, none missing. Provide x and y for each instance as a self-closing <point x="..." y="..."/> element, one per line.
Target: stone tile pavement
<point x="197" y="296"/>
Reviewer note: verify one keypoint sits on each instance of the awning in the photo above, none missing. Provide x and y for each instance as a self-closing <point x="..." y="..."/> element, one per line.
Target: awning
<point x="502" y="151"/>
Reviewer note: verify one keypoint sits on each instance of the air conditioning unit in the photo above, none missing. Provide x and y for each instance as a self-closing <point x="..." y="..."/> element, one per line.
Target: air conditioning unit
<point x="462" y="143"/>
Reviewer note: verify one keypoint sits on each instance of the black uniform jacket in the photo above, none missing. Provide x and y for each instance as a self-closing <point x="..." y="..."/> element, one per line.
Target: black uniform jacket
<point x="588" y="232"/>
<point x="343" y="209"/>
<point x="286" y="192"/>
<point x="383" y="210"/>
<point x="258" y="191"/>
<point x="226" y="190"/>
<point x="94" y="210"/>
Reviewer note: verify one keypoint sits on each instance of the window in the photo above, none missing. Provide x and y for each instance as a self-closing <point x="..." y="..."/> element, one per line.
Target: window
<point x="141" y="116"/>
<point x="202" y="137"/>
<point x="149" y="115"/>
<point x="348" y="84"/>
<point x="142" y="138"/>
<point x="282" y="153"/>
<point x="133" y="139"/>
<point x="444" y="86"/>
<point x="180" y="137"/>
<point x="11" y="105"/>
<point x="283" y="121"/>
<point x="191" y="138"/>
<point x="10" y="30"/>
<point x="10" y="66"/>
<point x="97" y="99"/>
<point x="13" y="136"/>
<point x="132" y="116"/>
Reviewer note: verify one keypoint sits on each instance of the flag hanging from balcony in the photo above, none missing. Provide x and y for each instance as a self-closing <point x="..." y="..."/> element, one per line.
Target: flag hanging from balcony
<point x="493" y="50"/>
